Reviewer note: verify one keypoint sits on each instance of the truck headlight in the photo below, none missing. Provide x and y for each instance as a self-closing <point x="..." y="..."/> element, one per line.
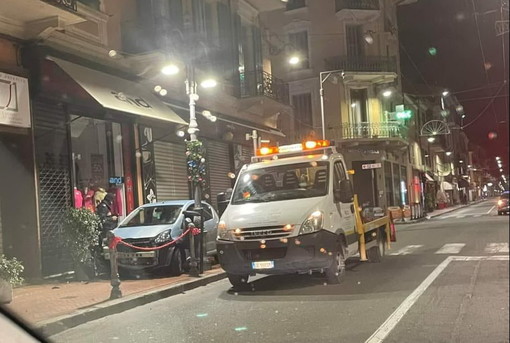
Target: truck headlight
<point x="312" y="224"/>
<point x="163" y="237"/>
<point x="223" y="232"/>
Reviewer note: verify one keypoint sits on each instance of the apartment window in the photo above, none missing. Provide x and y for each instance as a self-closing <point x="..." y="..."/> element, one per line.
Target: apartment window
<point x="299" y="41"/>
<point x="295" y="4"/>
<point x="303" y="111"/>
<point x="359" y="99"/>
<point x="354" y="35"/>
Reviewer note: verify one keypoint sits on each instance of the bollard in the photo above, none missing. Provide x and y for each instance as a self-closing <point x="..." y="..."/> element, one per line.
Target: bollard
<point x="114" y="274"/>
<point x="360" y="230"/>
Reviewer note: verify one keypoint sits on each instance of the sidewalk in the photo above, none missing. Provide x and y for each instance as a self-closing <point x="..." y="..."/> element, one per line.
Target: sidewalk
<point x="437" y="213"/>
<point x="54" y="307"/>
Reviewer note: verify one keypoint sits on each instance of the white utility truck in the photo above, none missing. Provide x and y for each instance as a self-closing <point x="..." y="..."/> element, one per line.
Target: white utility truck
<point x="292" y="210"/>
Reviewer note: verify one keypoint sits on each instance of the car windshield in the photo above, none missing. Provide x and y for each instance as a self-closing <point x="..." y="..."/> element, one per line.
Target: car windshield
<point x="153" y="215"/>
<point x="285" y="182"/>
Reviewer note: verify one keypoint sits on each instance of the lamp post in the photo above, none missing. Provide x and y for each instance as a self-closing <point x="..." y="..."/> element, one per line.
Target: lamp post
<point x="324" y="76"/>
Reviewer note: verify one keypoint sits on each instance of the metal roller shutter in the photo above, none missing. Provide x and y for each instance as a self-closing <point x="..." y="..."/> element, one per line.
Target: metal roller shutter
<point x="218" y="155"/>
<point x="52" y="158"/>
<point x="171" y="174"/>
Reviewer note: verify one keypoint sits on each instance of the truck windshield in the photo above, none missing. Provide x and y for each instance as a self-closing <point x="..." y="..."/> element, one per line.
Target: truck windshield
<point x="153" y="215"/>
<point x="285" y="182"/>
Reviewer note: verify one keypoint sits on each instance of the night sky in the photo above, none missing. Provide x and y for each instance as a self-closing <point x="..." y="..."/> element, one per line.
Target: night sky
<point x="449" y="26"/>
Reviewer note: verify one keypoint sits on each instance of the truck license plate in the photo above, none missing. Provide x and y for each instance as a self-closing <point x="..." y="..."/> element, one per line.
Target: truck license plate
<point x="262" y="265"/>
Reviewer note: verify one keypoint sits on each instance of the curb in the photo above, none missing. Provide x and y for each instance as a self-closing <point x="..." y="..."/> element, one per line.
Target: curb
<point x="59" y="324"/>
<point x="415" y="221"/>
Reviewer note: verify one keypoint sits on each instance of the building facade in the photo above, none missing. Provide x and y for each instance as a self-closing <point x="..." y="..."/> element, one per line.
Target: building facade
<point x="94" y="123"/>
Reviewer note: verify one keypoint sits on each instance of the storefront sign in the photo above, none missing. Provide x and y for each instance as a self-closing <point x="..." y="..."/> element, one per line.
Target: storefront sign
<point x="371" y="166"/>
<point x="116" y="180"/>
<point x="14" y="101"/>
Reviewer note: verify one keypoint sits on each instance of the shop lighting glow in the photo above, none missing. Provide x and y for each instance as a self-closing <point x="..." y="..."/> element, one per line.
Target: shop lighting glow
<point x="170" y="69"/>
<point x="209" y="83"/>
<point x="294" y="60"/>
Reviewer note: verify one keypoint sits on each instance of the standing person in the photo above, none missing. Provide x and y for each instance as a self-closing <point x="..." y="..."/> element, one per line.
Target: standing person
<point x="108" y="222"/>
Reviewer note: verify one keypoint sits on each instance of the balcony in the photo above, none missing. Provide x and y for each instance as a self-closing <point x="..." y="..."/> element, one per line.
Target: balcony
<point x="259" y="87"/>
<point x="25" y="19"/>
<point x="373" y="69"/>
<point x="267" y="5"/>
<point x="389" y="133"/>
<point x="357" y="10"/>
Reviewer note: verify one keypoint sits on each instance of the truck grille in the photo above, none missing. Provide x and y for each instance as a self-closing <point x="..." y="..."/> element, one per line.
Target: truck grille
<point x="266" y="232"/>
<point x="264" y="254"/>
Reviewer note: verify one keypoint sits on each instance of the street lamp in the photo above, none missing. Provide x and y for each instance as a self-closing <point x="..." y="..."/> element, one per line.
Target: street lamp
<point x="293" y="60"/>
<point x="387" y="93"/>
<point x="431" y="139"/>
<point x="324" y="75"/>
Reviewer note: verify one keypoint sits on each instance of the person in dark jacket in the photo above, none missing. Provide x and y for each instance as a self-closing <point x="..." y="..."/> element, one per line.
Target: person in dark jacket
<point x="108" y="222"/>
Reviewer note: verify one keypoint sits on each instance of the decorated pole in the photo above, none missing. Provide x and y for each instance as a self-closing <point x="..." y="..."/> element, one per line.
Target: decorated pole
<point x="195" y="163"/>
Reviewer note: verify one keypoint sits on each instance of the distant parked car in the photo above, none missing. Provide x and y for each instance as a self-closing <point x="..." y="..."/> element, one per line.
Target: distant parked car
<point x="155" y="224"/>
<point x="503" y="205"/>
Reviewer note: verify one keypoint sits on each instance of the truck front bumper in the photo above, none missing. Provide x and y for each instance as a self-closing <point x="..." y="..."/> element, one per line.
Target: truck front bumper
<point x="299" y="254"/>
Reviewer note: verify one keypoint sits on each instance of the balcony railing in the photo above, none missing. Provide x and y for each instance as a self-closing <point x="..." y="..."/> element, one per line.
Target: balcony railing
<point x="362" y="63"/>
<point x="260" y="83"/>
<point x="67" y="4"/>
<point x="356" y="5"/>
<point x="364" y="130"/>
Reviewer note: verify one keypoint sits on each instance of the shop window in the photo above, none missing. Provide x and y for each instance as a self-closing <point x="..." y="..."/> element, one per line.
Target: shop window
<point x="97" y="163"/>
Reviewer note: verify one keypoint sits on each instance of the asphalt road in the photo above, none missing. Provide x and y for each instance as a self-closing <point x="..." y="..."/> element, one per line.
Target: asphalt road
<point x="444" y="280"/>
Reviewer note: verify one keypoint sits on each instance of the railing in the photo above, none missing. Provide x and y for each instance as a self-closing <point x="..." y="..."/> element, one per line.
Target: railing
<point x="362" y="63"/>
<point x="382" y="130"/>
<point x="67" y="4"/>
<point x="356" y="5"/>
<point x="260" y="83"/>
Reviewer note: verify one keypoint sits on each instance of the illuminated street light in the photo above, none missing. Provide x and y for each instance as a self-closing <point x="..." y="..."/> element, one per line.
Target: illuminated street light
<point x="448" y="153"/>
<point x="498" y="158"/>
<point x="170" y="69"/>
<point x="294" y="60"/>
<point x="368" y="37"/>
<point x="431" y="139"/>
<point x="209" y="83"/>
<point x="445" y="93"/>
<point x="387" y="93"/>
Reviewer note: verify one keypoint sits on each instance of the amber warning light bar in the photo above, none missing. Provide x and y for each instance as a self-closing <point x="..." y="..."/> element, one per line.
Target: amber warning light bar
<point x="293" y="148"/>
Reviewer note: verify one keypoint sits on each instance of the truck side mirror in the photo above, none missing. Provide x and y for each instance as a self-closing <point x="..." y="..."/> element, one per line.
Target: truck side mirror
<point x="344" y="193"/>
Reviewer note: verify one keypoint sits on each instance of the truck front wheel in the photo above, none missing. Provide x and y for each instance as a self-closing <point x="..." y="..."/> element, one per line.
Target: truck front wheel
<point x="238" y="281"/>
<point x="335" y="274"/>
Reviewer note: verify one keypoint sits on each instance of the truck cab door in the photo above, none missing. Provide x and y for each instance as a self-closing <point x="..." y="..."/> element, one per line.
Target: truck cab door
<point x="343" y="196"/>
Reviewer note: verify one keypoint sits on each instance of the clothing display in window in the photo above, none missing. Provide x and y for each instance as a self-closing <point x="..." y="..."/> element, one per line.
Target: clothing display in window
<point x="78" y="198"/>
<point x="88" y="199"/>
<point x="99" y="196"/>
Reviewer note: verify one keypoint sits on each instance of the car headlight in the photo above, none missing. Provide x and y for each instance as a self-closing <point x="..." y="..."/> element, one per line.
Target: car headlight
<point x="223" y="232"/>
<point x="312" y="224"/>
<point x="163" y="237"/>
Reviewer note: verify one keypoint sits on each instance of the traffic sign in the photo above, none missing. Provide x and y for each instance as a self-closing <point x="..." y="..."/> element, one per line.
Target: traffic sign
<point x="371" y="166"/>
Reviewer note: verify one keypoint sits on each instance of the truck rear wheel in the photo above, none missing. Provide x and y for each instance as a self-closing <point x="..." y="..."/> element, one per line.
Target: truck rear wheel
<point x="238" y="281"/>
<point x="335" y="274"/>
<point x="376" y="254"/>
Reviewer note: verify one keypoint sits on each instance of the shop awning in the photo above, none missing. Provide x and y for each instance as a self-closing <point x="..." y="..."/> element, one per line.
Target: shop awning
<point x="447" y="186"/>
<point x="119" y="94"/>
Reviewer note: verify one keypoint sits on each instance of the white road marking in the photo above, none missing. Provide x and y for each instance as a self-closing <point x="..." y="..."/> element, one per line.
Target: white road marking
<point x="493" y="207"/>
<point x="451" y="248"/>
<point x="406" y="250"/>
<point x="384" y="330"/>
<point x="494" y="248"/>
